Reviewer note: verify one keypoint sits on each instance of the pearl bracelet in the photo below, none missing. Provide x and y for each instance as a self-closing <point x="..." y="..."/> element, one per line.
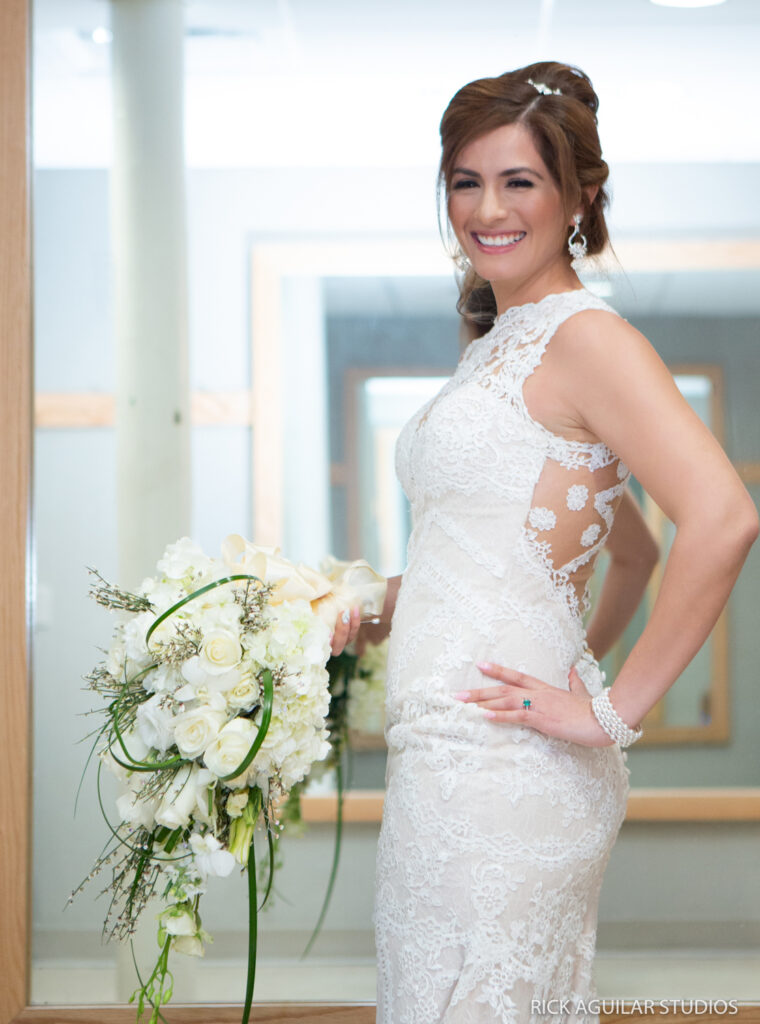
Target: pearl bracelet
<point x="611" y="721"/>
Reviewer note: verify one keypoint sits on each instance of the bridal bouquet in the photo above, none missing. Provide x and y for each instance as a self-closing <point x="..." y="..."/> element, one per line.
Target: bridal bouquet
<point x="216" y="700"/>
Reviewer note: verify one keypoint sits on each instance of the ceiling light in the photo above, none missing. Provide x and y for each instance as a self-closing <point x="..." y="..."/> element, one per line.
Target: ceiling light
<point x="688" y="3"/>
<point x="101" y="35"/>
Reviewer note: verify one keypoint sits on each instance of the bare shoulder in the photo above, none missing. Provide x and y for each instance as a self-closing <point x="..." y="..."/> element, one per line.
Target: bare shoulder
<point x="583" y="361"/>
<point x="596" y="352"/>
<point x="600" y="332"/>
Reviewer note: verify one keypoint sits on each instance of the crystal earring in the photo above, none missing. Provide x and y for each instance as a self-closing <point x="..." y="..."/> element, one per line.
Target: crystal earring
<point x="577" y="247"/>
<point x="461" y="260"/>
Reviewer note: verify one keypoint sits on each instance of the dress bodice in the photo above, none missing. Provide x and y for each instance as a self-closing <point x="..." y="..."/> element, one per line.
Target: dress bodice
<point x="491" y="480"/>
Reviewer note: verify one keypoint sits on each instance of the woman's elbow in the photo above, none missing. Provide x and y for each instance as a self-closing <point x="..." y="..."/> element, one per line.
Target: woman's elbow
<point x="737" y="526"/>
<point x="751" y="529"/>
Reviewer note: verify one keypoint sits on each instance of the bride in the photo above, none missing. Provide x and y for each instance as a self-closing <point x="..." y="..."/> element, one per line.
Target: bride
<point x="506" y="781"/>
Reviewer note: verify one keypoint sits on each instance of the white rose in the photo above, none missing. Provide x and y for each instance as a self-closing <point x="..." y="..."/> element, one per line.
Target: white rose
<point x="221" y="651"/>
<point x="187" y="795"/>
<point x="245" y="693"/>
<point x="155" y="724"/>
<point x="230" y="748"/>
<point x="194" y="730"/>
<point x="201" y="676"/>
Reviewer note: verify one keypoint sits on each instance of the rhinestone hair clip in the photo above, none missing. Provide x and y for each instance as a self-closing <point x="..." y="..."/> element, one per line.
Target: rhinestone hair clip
<point x="544" y="89"/>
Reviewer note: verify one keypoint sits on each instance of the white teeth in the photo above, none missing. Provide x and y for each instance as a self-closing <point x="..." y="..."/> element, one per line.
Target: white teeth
<point x="500" y="239"/>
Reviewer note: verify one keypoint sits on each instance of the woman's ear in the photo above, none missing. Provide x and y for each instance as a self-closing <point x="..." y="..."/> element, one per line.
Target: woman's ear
<point x="591" y="193"/>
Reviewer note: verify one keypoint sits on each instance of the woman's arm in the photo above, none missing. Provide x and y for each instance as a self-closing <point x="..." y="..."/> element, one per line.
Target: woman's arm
<point x="623" y="393"/>
<point x="626" y="395"/>
<point x="633" y="552"/>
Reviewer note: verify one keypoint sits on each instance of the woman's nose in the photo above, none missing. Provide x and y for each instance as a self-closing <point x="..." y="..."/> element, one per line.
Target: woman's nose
<point x="492" y="204"/>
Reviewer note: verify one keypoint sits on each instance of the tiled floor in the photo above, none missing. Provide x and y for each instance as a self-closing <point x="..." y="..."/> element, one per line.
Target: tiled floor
<point x="659" y="975"/>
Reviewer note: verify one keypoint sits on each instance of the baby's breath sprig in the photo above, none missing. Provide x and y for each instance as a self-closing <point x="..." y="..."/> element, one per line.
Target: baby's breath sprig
<point x="101" y="681"/>
<point x="111" y="596"/>
<point x="253" y="599"/>
<point x="186" y="643"/>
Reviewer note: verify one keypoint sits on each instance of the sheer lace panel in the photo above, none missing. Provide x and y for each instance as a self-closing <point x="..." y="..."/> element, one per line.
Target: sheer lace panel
<point x="581" y="482"/>
<point x="571" y="514"/>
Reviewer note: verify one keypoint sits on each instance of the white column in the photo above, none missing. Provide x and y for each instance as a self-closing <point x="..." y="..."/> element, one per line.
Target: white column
<point x="305" y="452"/>
<point x="150" y="291"/>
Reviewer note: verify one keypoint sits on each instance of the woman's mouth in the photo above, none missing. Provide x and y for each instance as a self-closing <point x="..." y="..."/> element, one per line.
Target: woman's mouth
<point x="498" y="243"/>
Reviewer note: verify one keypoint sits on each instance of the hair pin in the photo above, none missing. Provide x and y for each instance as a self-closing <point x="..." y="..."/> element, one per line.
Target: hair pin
<point x="544" y="89"/>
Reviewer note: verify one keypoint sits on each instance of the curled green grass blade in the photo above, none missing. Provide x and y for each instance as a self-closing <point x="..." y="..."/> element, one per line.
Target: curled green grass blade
<point x="191" y="597"/>
<point x="266" y="717"/>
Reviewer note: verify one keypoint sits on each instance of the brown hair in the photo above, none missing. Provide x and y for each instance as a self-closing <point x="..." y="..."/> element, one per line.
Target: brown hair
<point x="564" y="129"/>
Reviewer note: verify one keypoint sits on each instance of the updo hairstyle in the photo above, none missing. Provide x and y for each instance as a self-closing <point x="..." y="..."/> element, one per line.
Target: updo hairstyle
<point x="564" y="130"/>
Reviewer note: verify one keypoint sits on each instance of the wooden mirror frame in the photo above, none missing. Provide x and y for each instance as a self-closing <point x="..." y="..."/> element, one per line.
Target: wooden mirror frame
<point x="16" y="602"/>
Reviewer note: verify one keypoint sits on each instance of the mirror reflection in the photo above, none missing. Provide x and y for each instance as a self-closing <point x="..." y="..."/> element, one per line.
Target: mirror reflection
<point x="318" y="316"/>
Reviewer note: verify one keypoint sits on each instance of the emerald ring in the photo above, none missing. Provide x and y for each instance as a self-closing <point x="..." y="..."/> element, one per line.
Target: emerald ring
<point x="526" y="703"/>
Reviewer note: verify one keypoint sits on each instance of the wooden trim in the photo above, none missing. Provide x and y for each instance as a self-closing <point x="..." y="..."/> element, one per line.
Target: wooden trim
<point x="748" y="471"/>
<point x="644" y="804"/>
<point x="57" y="410"/>
<point x="699" y="804"/>
<point x="15" y="473"/>
<point x="191" y="1013"/>
<point x="624" y="1012"/>
<point x="664" y="254"/>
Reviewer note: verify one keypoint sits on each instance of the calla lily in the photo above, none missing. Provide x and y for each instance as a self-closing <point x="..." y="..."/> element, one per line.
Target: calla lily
<point x="340" y="586"/>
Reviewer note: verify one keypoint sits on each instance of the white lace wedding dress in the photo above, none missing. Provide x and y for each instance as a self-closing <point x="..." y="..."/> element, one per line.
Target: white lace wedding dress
<point x="494" y="837"/>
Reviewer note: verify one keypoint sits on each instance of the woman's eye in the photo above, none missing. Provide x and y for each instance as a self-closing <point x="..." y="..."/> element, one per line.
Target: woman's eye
<point x="520" y="183"/>
<point x="465" y="183"/>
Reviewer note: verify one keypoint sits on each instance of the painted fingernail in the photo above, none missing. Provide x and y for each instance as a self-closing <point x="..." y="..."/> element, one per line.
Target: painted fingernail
<point x="462" y="695"/>
<point x="484" y="665"/>
<point x="346" y="616"/>
<point x="490" y="714"/>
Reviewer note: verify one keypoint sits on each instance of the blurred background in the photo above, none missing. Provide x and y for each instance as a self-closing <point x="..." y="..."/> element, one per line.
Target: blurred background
<point x="240" y="297"/>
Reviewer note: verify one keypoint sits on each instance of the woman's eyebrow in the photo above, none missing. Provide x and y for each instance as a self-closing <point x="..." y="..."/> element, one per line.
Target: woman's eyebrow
<point x="502" y="174"/>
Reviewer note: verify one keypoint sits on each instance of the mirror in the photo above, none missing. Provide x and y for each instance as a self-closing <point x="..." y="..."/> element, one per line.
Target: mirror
<point x="314" y="263"/>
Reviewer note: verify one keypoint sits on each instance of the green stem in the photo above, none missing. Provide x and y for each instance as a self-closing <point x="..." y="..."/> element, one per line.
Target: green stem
<point x="252" y="934"/>
<point x="336" y="854"/>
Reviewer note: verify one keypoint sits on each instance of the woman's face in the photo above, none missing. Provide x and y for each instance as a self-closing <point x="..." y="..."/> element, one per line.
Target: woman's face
<point x="507" y="214"/>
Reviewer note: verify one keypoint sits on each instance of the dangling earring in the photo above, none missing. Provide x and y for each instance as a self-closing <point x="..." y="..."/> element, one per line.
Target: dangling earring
<point x="577" y="247"/>
<point x="461" y="260"/>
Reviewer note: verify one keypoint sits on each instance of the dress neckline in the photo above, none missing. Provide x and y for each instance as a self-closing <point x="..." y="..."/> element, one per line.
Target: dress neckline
<point x="513" y="311"/>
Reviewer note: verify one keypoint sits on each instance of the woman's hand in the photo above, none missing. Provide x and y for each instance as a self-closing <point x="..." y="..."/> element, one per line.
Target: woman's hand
<point x="566" y="715"/>
<point x="346" y="629"/>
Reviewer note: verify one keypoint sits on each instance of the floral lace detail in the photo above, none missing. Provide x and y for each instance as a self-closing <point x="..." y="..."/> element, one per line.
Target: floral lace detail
<point x="577" y="496"/>
<point x="494" y="837"/>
